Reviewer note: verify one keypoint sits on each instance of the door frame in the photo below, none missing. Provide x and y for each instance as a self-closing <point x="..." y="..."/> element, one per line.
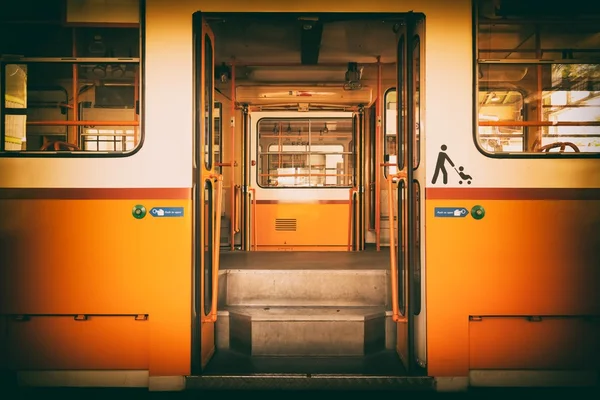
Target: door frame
<point x="207" y="187"/>
<point x="408" y="273"/>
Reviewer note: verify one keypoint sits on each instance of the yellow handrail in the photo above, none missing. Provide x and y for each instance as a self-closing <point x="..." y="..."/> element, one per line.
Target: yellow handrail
<point x="236" y="219"/>
<point x="396" y="317"/>
<point x="352" y="194"/>
<point x="252" y="192"/>
<point x="311" y="174"/>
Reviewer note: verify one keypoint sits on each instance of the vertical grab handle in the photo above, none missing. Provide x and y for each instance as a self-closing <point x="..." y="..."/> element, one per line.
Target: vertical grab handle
<point x="351" y="218"/>
<point x="396" y="317"/>
<point x="236" y="208"/>
<point x="252" y="193"/>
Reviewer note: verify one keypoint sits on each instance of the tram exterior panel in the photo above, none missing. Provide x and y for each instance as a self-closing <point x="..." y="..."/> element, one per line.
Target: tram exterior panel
<point x="516" y="287"/>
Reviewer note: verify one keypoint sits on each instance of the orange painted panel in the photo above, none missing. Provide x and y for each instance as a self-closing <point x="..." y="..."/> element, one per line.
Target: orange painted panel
<point x="516" y="343"/>
<point x="207" y="334"/>
<point x="91" y="256"/>
<point x="63" y="343"/>
<point x="86" y="256"/>
<point x="316" y="224"/>
<point x="525" y="257"/>
<point x="402" y="341"/>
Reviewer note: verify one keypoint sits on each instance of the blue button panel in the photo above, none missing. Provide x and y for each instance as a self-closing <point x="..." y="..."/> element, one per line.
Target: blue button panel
<point x="161" y="212"/>
<point x="451" y="212"/>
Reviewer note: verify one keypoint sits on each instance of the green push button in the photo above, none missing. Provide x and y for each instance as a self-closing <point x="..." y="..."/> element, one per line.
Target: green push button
<point x="477" y="212"/>
<point x="139" y="211"/>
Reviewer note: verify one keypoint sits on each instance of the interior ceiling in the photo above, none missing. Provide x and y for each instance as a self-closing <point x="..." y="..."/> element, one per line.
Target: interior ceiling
<point x="306" y="40"/>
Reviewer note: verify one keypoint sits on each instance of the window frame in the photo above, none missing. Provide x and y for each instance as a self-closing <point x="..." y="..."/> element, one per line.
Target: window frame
<point x="138" y="108"/>
<point x="257" y="152"/>
<point x="514" y="61"/>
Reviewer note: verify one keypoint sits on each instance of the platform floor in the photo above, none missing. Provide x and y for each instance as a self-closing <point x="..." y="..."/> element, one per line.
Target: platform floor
<point x="332" y="260"/>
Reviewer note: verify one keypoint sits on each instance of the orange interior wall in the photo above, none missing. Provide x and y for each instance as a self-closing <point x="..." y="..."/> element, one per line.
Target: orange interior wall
<point x="317" y="225"/>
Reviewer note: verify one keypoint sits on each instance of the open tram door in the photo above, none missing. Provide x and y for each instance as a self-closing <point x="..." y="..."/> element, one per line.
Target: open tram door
<point x="404" y="193"/>
<point x="207" y="197"/>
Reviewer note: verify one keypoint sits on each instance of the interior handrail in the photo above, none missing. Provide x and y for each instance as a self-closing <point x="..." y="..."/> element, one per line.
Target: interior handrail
<point x="396" y="317"/>
<point x="351" y="196"/>
<point x="82" y="123"/>
<point x="539" y="123"/>
<point x="236" y="209"/>
<point x="252" y="193"/>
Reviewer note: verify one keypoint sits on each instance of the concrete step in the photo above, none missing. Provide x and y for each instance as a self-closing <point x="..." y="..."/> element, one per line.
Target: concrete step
<point x="303" y="331"/>
<point x="304" y="287"/>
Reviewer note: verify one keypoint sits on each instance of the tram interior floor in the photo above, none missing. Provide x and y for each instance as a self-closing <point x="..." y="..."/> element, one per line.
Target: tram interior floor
<point x="370" y="258"/>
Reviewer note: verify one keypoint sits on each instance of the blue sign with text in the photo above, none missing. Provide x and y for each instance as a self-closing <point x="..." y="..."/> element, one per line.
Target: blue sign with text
<point x="451" y="212"/>
<point x="167" y="212"/>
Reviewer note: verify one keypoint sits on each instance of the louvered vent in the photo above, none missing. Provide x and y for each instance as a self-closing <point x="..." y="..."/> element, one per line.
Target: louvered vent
<point x="285" y="224"/>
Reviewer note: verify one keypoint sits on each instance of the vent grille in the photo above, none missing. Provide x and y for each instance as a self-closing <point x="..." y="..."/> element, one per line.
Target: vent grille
<point x="285" y="224"/>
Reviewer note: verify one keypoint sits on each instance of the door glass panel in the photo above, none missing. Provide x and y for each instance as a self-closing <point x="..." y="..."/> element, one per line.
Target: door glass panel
<point x="416" y="290"/>
<point x="218" y="142"/>
<point x="400" y="246"/>
<point x="390" y="118"/>
<point x="400" y="106"/>
<point x="417" y="101"/>
<point x="208" y="102"/>
<point x="208" y="238"/>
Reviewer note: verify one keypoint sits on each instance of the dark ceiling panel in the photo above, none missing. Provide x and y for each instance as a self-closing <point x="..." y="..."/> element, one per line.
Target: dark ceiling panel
<point x="310" y="42"/>
<point x="536" y="8"/>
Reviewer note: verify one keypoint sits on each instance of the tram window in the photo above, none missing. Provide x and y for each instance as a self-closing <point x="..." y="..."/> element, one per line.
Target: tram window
<point x="535" y="95"/>
<point x="54" y="106"/>
<point x="305" y="152"/>
<point x="390" y="131"/>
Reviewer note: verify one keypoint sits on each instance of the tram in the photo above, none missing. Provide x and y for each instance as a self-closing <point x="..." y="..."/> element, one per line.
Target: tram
<point x="150" y="150"/>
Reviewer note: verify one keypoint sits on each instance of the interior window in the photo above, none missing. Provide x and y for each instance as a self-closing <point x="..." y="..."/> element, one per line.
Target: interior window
<point x="305" y="152"/>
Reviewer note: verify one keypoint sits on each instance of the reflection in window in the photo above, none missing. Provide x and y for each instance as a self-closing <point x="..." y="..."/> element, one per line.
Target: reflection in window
<point x="15" y="98"/>
<point x="390" y="131"/>
<point x="208" y="102"/>
<point x="501" y="106"/>
<point x="39" y="108"/>
<point x="207" y="235"/>
<point x="564" y="115"/>
<point x="539" y="82"/>
<point x="417" y="102"/>
<point x="55" y="98"/>
<point x="305" y="152"/>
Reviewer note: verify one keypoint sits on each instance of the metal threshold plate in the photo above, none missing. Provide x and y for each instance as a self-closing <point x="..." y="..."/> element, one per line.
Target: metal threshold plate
<point x="309" y="382"/>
